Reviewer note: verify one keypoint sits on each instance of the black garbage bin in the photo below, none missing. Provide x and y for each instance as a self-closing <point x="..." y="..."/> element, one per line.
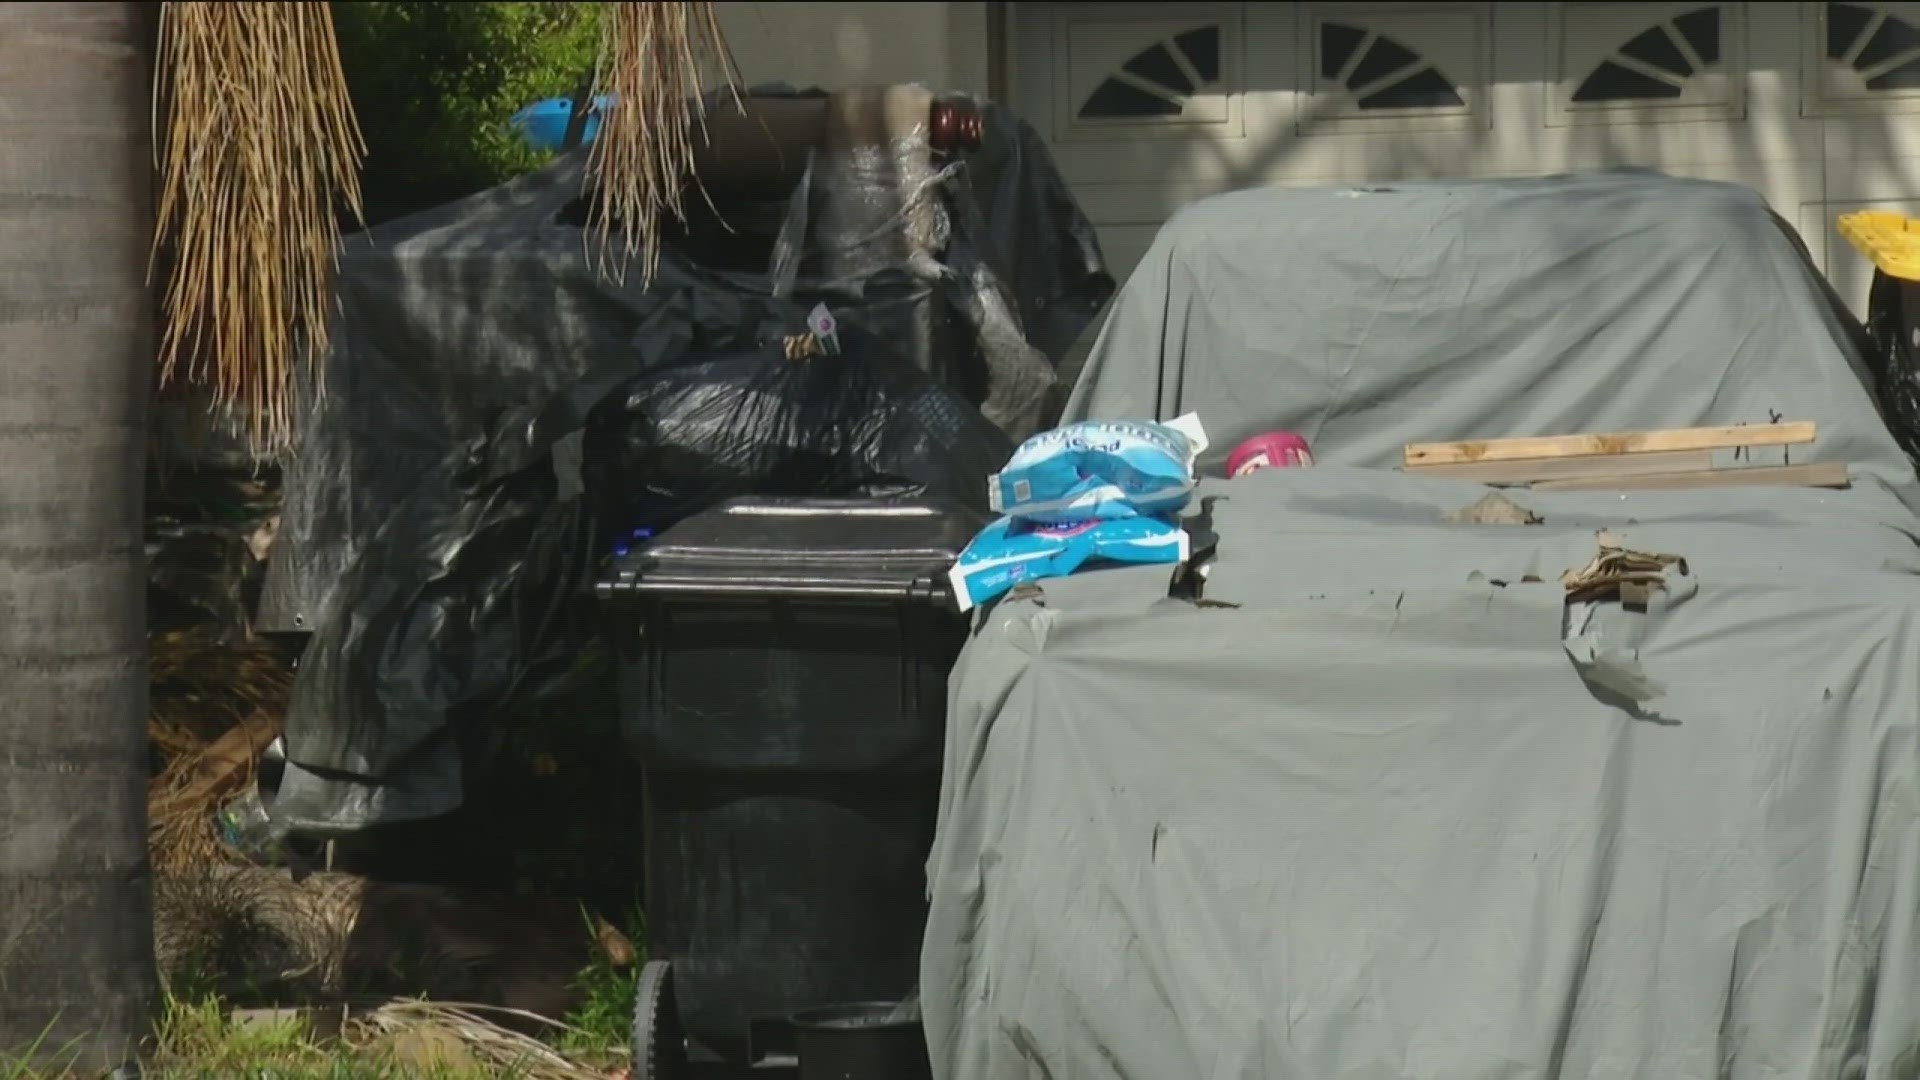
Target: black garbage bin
<point x="783" y="684"/>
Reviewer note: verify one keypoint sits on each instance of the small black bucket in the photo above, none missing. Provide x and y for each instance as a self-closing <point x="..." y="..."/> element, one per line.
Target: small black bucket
<point x="863" y="1041"/>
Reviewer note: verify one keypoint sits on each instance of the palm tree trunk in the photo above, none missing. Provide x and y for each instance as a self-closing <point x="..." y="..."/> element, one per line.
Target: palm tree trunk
<point x="76" y="936"/>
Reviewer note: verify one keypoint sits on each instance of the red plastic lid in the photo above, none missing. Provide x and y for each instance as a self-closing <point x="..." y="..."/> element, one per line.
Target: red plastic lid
<point x="1276" y="449"/>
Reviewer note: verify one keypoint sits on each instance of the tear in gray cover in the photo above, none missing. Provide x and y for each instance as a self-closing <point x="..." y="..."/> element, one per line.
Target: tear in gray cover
<point x="1388" y="806"/>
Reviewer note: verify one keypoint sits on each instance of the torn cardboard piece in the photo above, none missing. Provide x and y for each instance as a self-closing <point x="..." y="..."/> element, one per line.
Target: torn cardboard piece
<point x="1619" y="573"/>
<point x="1494" y="509"/>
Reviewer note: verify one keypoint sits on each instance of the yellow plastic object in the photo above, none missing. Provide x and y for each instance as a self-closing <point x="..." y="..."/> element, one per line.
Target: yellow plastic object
<point x="1890" y="241"/>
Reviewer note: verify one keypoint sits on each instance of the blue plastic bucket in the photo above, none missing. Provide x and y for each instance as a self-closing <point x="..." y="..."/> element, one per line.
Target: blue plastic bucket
<point x="544" y="123"/>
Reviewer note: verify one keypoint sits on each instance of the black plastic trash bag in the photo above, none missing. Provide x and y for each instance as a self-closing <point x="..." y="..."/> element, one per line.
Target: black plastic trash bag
<point x="461" y="610"/>
<point x="682" y="437"/>
<point x="207" y="533"/>
<point x="436" y="537"/>
<point x="1893" y="316"/>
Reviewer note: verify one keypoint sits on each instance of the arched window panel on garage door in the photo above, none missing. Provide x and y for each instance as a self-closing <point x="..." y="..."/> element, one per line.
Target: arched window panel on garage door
<point x="1132" y="71"/>
<point x="1862" y="58"/>
<point x="1640" y="63"/>
<point x="1393" y="67"/>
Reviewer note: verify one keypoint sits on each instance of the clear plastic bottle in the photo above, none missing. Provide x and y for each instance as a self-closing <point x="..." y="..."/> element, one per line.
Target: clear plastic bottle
<point x="246" y="827"/>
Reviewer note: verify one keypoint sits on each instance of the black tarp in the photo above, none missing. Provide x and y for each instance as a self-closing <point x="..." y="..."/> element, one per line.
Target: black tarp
<point x="1893" y="352"/>
<point x="435" y="532"/>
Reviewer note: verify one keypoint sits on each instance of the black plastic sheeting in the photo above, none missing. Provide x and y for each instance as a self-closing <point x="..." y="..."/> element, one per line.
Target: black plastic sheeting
<point x="694" y="433"/>
<point x="211" y="511"/>
<point x="494" y="415"/>
<point x="204" y="540"/>
<point x="1893" y="327"/>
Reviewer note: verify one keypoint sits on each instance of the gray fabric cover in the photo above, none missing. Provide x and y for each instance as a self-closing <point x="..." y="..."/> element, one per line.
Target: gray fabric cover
<point x="1383" y="808"/>
<point x="1368" y="319"/>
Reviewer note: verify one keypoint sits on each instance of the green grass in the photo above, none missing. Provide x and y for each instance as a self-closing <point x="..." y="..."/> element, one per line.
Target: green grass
<point x="602" y="1024"/>
<point x="604" y="1021"/>
<point x="198" y="1038"/>
<point x="21" y="1068"/>
<point x="201" y="1040"/>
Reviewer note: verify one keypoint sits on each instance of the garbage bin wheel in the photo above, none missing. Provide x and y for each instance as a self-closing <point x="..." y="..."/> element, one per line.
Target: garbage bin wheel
<point x="659" y="1044"/>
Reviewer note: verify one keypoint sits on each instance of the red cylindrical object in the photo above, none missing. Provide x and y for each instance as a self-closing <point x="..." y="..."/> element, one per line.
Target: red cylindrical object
<point x="954" y="127"/>
<point x="1275" y="449"/>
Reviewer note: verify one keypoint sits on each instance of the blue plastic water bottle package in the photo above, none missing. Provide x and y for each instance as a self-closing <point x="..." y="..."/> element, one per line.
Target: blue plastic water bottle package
<point x="1100" y="469"/>
<point x="1011" y="551"/>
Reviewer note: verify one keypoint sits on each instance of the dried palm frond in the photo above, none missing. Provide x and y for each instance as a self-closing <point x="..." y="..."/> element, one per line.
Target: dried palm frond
<point x="255" y="926"/>
<point x="257" y="149"/>
<point x="182" y="800"/>
<point x="213" y="708"/>
<point x="655" y="59"/>
<point x="476" y="1030"/>
<point x="206" y="686"/>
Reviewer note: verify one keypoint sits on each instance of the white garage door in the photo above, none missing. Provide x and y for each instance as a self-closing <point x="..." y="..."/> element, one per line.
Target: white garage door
<point x="1149" y="106"/>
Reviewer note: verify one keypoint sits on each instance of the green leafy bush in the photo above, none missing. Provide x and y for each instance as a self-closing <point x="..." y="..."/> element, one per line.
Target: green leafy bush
<point x="435" y="86"/>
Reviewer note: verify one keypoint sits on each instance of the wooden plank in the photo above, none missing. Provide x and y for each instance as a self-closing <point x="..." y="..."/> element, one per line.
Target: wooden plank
<point x="1624" y="442"/>
<point x="1513" y="473"/>
<point x="1825" y="474"/>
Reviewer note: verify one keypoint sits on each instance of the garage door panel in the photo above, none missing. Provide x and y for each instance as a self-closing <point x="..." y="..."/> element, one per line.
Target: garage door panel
<point x="1644" y="63"/>
<point x="1374" y="68"/>
<point x="1882" y="139"/>
<point x="1750" y="148"/>
<point x="1147" y="204"/>
<point x="1774" y="96"/>
<point x="1861" y="58"/>
<point x="1862" y="83"/>
<point x="1498" y="152"/>
<point x="1525" y="133"/>
<point x="1144" y="73"/>
<point x="1279" y="157"/>
<point x="1573" y="89"/>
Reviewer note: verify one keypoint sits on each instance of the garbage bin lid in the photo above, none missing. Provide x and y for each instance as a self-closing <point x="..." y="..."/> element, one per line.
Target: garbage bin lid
<point x="829" y="547"/>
